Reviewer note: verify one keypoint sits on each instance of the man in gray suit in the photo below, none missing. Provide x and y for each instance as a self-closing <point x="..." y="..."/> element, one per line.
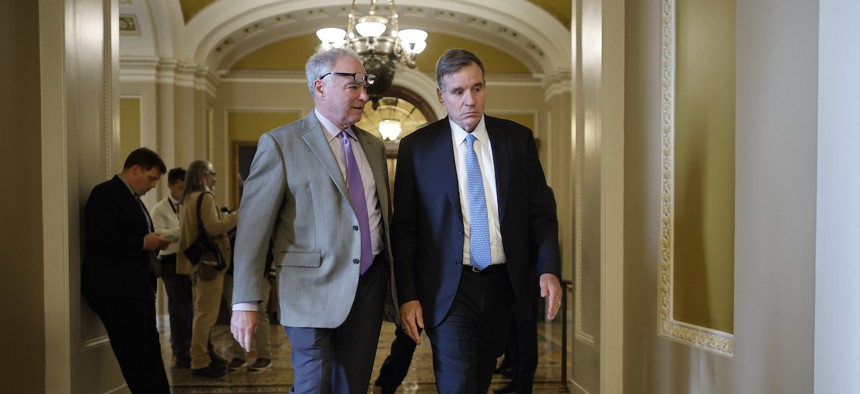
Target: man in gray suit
<point x="319" y="188"/>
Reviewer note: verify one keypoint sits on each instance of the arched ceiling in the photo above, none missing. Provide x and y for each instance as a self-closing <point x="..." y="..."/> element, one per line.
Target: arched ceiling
<point x="559" y="9"/>
<point x="283" y="55"/>
<point x="220" y="33"/>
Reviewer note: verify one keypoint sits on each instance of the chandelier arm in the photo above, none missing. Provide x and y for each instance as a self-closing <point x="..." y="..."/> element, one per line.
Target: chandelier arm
<point x="381" y="52"/>
<point x="350" y="24"/>
<point x="394" y="17"/>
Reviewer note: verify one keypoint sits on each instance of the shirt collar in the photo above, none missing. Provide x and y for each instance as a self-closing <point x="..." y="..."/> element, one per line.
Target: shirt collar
<point x="331" y="131"/>
<point x="459" y="135"/>
<point x="126" y="185"/>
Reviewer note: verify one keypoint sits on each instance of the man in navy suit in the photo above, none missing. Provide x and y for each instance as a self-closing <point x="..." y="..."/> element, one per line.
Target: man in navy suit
<point x="473" y="218"/>
<point x="116" y="277"/>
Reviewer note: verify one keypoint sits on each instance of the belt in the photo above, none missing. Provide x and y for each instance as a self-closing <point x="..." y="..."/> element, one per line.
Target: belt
<point x="489" y="270"/>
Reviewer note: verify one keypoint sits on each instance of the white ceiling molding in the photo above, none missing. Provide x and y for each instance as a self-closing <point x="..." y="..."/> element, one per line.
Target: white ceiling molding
<point x="225" y="31"/>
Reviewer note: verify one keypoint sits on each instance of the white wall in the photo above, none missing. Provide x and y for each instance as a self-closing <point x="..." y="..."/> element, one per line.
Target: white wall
<point x="777" y="70"/>
<point x="837" y="294"/>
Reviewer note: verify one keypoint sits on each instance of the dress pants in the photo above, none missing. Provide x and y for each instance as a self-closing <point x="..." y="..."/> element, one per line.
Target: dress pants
<point x="178" y="289"/>
<point x="340" y="360"/>
<point x="396" y="365"/>
<point x="522" y="346"/>
<point x="473" y="333"/>
<point x="131" y="327"/>
<point x="207" y="303"/>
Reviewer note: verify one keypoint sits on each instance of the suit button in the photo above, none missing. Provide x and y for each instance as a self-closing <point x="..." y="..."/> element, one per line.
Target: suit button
<point x="354" y="228"/>
<point x="461" y="230"/>
<point x="459" y="263"/>
<point x="356" y="261"/>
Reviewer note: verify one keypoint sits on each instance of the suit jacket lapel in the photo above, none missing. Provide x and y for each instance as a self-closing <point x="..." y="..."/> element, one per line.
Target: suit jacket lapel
<point x="501" y="163"/>
<point x="315" y="138"/>
<point x="442" y="151"/>
<point x="131" y="202"/>
<point x="376" y="166"/>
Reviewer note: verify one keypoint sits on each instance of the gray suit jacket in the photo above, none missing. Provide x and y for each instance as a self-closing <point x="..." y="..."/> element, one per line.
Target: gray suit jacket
<point x="295" y="192"/>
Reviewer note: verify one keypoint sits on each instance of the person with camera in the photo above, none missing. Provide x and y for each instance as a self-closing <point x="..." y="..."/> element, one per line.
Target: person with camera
<point x="205" y="259"/>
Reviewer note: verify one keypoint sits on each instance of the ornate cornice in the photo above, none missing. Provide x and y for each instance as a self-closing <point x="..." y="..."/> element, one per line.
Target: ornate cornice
<point x="168" y="71"/>
<point x="558" y="82"/>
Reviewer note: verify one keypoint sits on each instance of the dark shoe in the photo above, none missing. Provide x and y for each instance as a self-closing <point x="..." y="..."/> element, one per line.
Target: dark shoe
<point x="218" y="367"/>
<point x="182" y="363"/>
<point x="217" y="361"/>
<point x="235" y="363"/>
<point x="511" y="387"/>
<point x="208" y="373"/>
<point x="260" y="364"/>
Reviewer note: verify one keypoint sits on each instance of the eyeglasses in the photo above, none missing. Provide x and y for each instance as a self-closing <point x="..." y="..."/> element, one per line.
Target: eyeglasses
<point x="357" y="77"/>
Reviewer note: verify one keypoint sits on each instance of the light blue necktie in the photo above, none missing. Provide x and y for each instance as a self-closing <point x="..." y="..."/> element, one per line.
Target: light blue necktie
<point x="359" y="202"/>
<point x="479" y="228"/>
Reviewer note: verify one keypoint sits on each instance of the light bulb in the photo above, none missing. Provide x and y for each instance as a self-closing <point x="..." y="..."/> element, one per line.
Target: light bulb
<point x="332" y="36"/>
<point x="371" y="26"/>
<point x="390" y="129"/>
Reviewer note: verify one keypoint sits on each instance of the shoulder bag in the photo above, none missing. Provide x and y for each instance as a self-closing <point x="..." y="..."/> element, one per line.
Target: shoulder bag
<point x="204" y="249"/>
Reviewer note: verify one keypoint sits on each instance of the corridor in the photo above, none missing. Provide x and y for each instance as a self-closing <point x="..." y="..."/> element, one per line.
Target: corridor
<point x="278" y="378"/>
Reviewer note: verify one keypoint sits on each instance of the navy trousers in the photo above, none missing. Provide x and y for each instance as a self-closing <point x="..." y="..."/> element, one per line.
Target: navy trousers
<point x="473" y="333"/>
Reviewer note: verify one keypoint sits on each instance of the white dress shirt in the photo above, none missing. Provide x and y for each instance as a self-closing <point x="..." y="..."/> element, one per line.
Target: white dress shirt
<point x="165" y="219"/>
<point x="367" y="180"/>
<point x="484" y="151"/>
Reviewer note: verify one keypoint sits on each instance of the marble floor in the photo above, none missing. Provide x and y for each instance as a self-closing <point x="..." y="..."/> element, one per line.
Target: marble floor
<point x="278" y="378"/>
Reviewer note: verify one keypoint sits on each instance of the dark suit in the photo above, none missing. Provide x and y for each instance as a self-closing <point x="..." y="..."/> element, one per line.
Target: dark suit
<point x="428" y="238"/>
<point x="119" y="286"/>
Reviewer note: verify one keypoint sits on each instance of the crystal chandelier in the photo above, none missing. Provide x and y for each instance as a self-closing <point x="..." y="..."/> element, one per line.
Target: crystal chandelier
<point x="380" y="43"/>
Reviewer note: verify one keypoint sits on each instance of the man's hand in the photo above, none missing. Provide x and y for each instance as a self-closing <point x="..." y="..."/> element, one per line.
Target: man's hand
<point x="412" y="318"/>
<point x="154" y="241"/>
<point x="243" y="325"/>
<point x="550" y="288"/>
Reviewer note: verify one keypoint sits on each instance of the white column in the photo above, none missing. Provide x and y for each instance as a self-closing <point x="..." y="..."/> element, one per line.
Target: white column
<point x="837" y="257"/>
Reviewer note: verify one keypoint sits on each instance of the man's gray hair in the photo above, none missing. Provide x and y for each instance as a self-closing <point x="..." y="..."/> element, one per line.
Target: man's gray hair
<point x="322" y="62"/>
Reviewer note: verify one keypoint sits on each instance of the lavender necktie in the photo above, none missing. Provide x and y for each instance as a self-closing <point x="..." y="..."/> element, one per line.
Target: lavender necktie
<point x="359" y="202"/>
<point x="479" y="227"/>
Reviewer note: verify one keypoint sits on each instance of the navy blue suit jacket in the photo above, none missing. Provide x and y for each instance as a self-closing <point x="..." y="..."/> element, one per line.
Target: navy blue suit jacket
<point x="427" y="230"/>
<point x="115" y="264"/>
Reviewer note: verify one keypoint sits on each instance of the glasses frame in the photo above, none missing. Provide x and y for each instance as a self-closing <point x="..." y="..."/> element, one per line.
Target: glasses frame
<point x="369" y="78"/>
